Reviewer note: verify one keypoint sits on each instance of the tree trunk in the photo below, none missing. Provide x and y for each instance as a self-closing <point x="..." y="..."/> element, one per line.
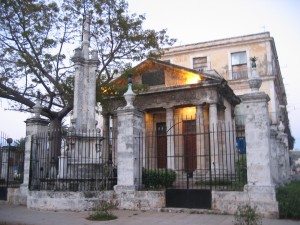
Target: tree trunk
<point x="55" y="139"/>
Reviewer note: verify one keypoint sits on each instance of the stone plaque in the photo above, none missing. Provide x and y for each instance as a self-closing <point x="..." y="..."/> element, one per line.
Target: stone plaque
<point x="153" y="78"/>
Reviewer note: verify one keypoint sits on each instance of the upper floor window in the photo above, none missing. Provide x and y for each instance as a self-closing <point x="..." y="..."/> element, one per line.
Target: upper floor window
<point x="200" y="63"/>
<point x="239" y="65"/>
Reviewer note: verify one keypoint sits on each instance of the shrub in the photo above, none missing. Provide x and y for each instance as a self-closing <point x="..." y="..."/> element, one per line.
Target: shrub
<point x="247" y="215"/>
<point x="158" y="178"/>
<point x="288" y="197"/>
<point x="103" y="212"/>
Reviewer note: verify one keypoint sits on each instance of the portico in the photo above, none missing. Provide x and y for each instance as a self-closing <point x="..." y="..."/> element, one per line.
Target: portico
<point x="181" y="119"/>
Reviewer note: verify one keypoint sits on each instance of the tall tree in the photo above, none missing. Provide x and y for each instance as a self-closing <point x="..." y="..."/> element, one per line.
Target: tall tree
<point x="37" y="39"/>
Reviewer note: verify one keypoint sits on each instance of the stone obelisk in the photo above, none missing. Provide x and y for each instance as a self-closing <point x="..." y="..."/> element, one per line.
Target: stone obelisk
<point x="85" y="84"/>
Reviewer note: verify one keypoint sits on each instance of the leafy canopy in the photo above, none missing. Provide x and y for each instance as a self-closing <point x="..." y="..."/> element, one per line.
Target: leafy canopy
<point x="37" y="39"/>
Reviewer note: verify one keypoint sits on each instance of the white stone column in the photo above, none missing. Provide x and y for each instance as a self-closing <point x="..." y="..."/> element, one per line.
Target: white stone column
<point x="34" y="126"/>
<point x="214" y="147"/>
<point x="200" y="137"/>
<point x="260" y="188"/>
<point x="130" y="126"/>
<point x="257" y="132"/>
<point x="170" y="138"/>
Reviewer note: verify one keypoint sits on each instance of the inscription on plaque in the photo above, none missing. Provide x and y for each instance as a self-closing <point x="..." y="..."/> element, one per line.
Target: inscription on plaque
<point x="153" y="78"/>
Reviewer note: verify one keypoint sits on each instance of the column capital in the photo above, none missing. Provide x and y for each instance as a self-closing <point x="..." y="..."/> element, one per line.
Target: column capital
<point x="254" y="97"/>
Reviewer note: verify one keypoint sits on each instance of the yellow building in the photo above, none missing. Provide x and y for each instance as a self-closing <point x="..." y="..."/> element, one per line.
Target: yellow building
<point x="231" y="58"/>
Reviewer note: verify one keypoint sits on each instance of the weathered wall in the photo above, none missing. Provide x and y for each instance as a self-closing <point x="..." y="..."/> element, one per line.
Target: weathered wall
<point x="73" y="201"/>
<point x="140" y="200"/>
<point x="82" y="201"/>
<point x="261" y="197"/>
<point x="17" y="196"/>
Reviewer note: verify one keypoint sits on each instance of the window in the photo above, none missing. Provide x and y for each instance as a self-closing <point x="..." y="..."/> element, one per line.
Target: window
<point x="200" y="63"/>
<point x="239" y="65"/>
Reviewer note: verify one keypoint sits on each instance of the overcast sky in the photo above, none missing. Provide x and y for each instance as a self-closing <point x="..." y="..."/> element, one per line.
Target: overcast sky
<point x="192" y="21"/>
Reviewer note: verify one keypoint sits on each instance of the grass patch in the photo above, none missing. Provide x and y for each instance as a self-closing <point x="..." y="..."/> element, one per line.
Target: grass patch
<point x="103" y="212"/>
<point x="288" y="197"/>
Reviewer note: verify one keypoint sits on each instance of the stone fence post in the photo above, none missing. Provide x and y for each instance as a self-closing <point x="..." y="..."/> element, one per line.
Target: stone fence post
<point x="34" y="125"/>
<point x="260" y="188"/>
<point x="130" y="126"/>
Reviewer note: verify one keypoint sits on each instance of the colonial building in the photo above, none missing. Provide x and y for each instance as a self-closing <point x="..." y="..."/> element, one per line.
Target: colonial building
<point x="185" y="112"/>
<point x="231" y="58"/>
<point x="194" y="92"/>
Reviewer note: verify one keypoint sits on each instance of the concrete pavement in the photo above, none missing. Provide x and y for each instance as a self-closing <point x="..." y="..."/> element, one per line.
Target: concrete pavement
<point x="20" y="215"/>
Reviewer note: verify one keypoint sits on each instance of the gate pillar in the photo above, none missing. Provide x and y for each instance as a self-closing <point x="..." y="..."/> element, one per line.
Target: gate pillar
<point x="34" y="125"/>
<point x="130" y="124"/>
<point x="260" y="188"/>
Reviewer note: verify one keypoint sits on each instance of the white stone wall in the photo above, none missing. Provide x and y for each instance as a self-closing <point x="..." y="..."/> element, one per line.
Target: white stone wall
<point x="70" y="201"/>
<point x="82" y="201"/>
<point x="261" y="197"/>
<point x="141" y="200"/>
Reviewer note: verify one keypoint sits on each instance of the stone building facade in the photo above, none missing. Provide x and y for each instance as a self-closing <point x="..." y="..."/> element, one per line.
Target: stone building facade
<point x="178" y="99"/>
<point x="231" y="58"/>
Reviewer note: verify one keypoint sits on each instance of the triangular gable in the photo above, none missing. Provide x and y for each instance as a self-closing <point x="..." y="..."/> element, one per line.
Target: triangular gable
<point x="156" y="72"/>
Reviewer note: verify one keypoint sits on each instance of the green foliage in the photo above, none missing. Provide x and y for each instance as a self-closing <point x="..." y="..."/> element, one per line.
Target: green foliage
<point x="103" y="212"/>
<point x="158" y="178"/>
<point x="241" y="169"/>
<point x="222" y="184"/>
<point x="247" y="215"/>
<point x="288" y="197"/>
<point x="36" y="38"/>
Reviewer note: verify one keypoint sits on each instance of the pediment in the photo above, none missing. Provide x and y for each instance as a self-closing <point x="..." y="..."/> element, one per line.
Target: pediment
<point x="153" y="72"/>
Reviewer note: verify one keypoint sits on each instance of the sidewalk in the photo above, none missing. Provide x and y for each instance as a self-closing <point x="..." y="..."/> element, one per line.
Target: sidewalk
<point x="20" y="215"/>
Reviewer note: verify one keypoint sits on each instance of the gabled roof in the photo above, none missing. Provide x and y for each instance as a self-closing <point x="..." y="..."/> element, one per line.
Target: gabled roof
<point x="210" y="74"/>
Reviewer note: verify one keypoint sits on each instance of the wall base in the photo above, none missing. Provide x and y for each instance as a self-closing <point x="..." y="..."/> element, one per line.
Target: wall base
<point x="262" y="197"/>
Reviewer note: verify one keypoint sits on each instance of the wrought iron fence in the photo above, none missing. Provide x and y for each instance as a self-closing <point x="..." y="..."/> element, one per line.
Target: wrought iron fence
<point x="190" y="155"/>
<point x="11" y="162"/>
<point x="72" y="161"/>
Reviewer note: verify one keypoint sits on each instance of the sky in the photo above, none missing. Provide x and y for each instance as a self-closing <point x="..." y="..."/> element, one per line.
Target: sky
<point x="193" y="21"/>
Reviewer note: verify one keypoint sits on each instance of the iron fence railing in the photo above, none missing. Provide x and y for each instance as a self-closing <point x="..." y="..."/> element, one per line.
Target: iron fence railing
<point x="11" y="162"/>
<point x="72" y="161"/>
<point x="193" y="156"/>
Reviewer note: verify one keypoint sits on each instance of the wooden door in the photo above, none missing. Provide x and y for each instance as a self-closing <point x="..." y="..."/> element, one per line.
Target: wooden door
<point x="189" y="141"/>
